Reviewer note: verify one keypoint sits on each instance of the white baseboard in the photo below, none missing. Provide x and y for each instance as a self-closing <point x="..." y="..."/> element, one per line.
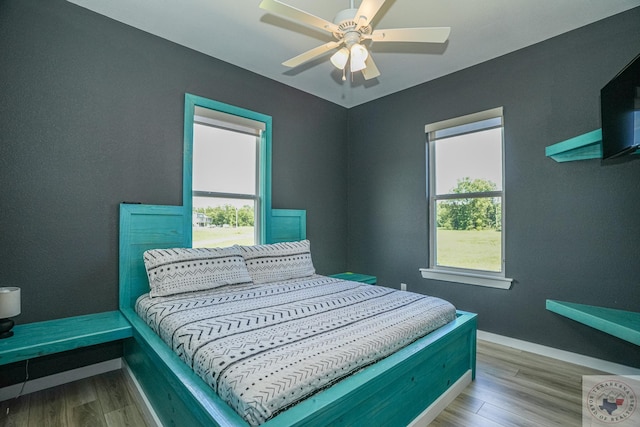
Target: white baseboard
<point x="566" y="356"/>
<point x="54" y="380"/>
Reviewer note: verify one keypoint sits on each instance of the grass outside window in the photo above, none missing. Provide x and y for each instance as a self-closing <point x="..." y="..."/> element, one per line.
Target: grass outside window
<point x="210" y="237"/>
<point x="470" y="249"/>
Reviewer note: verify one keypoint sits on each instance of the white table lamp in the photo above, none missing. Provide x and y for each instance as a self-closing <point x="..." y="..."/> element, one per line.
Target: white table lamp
<point x="9" y="307"/>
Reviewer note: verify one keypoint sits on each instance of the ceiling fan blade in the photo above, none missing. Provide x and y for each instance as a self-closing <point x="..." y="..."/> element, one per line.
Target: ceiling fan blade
<point x="421" y="35"/>
<point x="366" y="12"/>
<point x="371" y="71"/>
<point x="311" y="54"/>
<point x="295" y="14"/>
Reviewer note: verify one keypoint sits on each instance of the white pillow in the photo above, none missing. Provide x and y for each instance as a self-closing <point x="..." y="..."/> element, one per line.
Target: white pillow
<point x="178" y="270"/>
<point x="278" y="261"/>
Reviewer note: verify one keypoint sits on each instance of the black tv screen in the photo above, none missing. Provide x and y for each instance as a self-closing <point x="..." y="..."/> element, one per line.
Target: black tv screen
<point x="620" y="112"/>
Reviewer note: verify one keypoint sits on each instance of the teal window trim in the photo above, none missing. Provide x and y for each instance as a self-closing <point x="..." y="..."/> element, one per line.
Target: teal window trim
<point x="190" y="103"/>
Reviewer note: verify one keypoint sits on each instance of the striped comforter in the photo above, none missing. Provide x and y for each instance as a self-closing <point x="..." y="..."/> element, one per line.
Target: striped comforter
<point x="264" y="348"/>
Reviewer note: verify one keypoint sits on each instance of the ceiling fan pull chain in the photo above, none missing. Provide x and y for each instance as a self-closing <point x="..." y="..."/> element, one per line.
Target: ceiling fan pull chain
<point x="344" y="71"/>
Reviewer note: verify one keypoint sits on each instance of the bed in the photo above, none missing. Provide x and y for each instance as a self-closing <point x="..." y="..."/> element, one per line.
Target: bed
<point x="410" y="385"/>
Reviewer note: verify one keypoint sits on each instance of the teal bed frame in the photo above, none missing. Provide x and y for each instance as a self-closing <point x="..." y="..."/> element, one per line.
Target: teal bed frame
<point x="415" y="382"/>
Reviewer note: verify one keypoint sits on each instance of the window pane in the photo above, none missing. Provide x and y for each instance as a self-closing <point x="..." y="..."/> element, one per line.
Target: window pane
<point x="469" y="233"/>
<point x="477" y="156"/>
<point x="221" y="222"/>
<point x="223" y="161"/>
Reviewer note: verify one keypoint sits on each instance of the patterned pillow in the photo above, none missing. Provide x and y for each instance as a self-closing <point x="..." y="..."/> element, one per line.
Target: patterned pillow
<point x="278" y="261"/>
<point x="178" y="270"/>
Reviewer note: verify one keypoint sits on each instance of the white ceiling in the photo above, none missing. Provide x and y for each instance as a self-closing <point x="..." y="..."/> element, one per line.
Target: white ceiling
<point x="239" y="32"/>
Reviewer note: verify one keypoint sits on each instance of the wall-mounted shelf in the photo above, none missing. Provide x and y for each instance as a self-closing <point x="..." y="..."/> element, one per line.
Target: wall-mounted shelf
<point x="53" y="336"/>
<point x="583" y="147"/>
<point x="619" y="323"/>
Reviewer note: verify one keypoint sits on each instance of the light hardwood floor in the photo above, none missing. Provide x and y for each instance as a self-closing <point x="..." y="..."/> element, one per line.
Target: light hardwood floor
<point x="517" y="388"/>
<point x="512" y="388"/>
<point x="101" y="401"/>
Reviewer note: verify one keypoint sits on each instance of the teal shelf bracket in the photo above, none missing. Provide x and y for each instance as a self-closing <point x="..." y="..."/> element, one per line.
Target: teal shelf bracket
<point x="582" y="147"/>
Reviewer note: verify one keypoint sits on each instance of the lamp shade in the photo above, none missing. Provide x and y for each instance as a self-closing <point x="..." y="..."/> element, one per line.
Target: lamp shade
<point x="339" y="59"/>
<point x="9" y="301"/>
<point x="359" y="55"/>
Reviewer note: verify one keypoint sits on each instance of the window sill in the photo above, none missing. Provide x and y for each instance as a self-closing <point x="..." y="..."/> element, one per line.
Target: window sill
<point x="467" y="278"/>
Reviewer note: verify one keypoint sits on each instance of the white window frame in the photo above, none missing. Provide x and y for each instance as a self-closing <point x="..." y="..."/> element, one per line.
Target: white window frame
<point x="231" y="123"/>
<point x="453" y="274"/>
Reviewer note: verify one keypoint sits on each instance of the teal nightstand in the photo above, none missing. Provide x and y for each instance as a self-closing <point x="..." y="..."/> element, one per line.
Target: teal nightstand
<point x="53" y="336"/>
<point x="356" y="277"/>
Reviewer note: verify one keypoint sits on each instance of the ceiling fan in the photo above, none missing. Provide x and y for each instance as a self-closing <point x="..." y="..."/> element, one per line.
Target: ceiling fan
<point x="351" y="28"/>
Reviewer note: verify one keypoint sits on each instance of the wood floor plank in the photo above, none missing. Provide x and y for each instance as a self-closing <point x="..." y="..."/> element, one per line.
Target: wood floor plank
<point x="523" y="398"/>
<point x="86" y="415"/>
<point x="112" y="391"/>
<point x="15" y="412"/>
<point x="466" y="402"/>
<point x="128" y="416"/>
<point x="503" y="370"/>
<point x="47" y="408"/>
<point x="518" y="388"/>
<point x="462" y="418"/>
<point x="536" y="389"/>
<point x="80" y="392"/>
<point x="498" y="350"/>
<point x="506" y="418"/>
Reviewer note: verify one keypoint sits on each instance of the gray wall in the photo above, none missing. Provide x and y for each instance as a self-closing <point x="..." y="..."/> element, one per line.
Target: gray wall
<point x="91" y="114"/>
<point x="572" y="229"/>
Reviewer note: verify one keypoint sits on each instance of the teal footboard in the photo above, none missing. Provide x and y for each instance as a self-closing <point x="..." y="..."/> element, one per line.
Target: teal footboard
<point x="391" y="392"/>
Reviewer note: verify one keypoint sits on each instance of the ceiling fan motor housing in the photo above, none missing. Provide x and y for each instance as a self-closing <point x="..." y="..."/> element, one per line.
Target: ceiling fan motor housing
<point x="347" y="23"/>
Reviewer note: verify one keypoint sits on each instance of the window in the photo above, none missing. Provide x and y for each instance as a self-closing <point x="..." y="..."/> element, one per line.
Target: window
<point x="466" y="199"/>
<point x="226" y="182"/>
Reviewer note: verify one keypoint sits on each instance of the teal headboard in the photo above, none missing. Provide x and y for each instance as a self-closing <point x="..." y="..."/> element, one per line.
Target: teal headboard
<point x="144" y="227"/>
<point x="288" y="225"/>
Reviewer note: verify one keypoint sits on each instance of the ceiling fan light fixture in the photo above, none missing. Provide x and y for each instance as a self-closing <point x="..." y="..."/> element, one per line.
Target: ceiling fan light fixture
<point x="340" y="58"/>
<point x="359" y="55"/>
<point x="350" y="28"/>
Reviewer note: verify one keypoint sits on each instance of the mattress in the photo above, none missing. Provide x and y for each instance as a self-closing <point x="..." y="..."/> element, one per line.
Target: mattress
<point x="264" y="348"/>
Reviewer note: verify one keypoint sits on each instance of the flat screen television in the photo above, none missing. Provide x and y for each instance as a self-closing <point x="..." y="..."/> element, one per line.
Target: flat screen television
<point x="620" y="112"/>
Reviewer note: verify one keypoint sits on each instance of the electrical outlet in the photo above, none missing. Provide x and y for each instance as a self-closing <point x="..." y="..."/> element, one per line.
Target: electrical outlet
<point x="403" y="286"/>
